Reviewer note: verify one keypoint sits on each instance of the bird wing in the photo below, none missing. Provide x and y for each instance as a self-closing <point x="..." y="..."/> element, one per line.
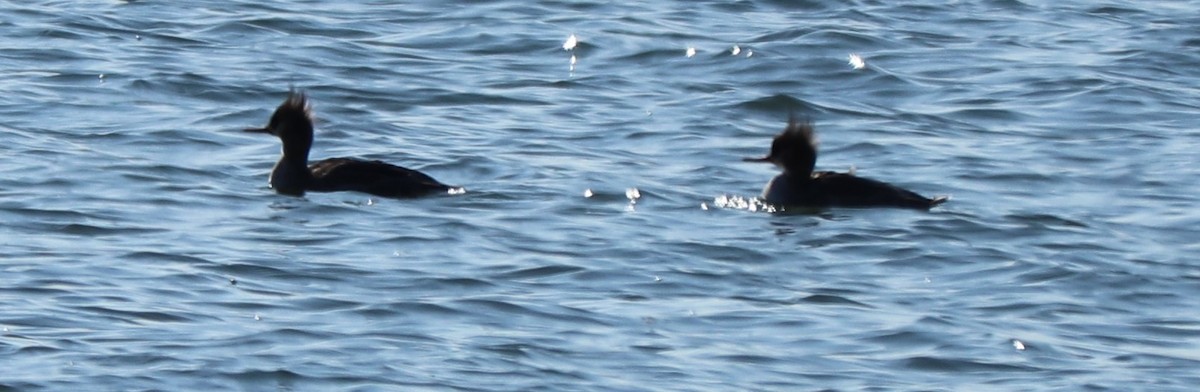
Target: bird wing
<point x="844" y="189"/>
<point x="374" y="177"/>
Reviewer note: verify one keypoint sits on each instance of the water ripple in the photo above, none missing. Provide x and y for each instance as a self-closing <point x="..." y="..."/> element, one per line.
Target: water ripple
<point x="609" y="238"/>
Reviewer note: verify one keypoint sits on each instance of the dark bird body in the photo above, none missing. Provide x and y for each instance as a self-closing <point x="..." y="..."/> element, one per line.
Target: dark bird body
<point x="795" y="151"/>
<point x="292" y="122"/>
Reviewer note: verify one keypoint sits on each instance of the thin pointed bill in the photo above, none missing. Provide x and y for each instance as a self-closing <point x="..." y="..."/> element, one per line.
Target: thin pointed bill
<point x="257" y="130"/>
<point x="753" y="159"/>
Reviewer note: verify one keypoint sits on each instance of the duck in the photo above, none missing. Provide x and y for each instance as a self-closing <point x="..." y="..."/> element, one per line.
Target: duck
<point x="794" y="151"/>
<point x="294" y="175"/>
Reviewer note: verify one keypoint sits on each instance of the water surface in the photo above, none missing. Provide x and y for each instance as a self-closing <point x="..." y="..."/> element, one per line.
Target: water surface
<point x="595" y="248"/>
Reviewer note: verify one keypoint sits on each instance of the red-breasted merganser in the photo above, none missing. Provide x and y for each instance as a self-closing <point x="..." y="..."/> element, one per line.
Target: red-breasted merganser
<point x="795" y="151"/>
<point x="292" y="122"/>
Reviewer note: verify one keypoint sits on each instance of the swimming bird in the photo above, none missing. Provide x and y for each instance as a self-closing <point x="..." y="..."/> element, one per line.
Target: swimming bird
<point x="795" y="151"/>
<point x="292" y="122"/>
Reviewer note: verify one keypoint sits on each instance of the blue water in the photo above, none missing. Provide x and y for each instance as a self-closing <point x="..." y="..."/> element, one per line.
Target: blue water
<point x="608" y="239"/>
